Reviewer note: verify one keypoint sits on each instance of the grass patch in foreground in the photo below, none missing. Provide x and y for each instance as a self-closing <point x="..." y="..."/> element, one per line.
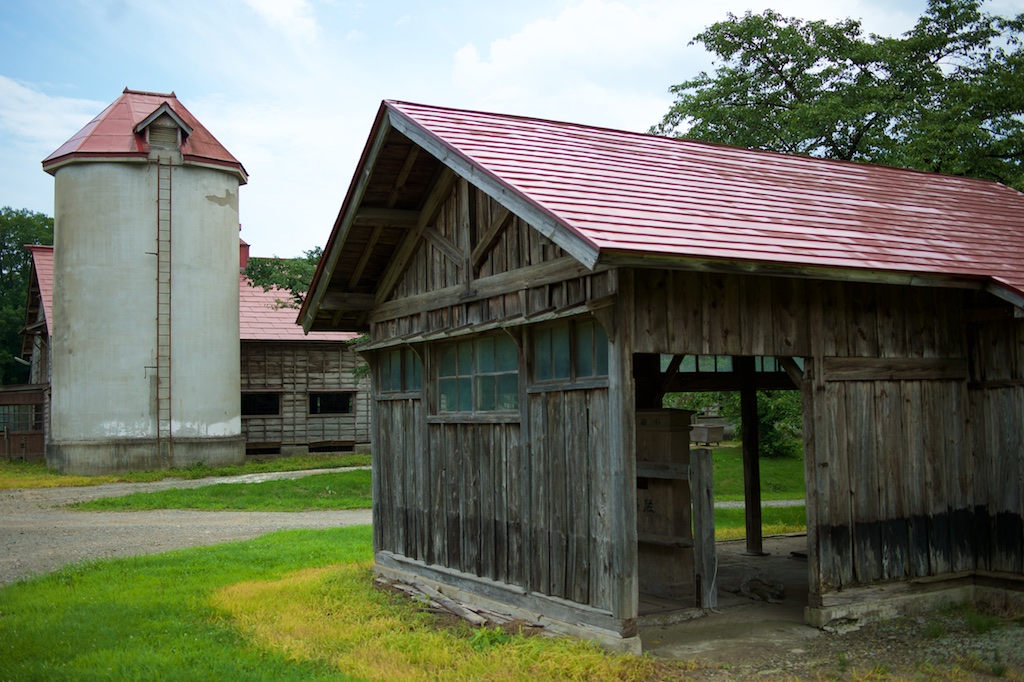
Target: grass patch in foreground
<point x="292" y="605"/>
<point x="152" y="618"/>
<point x="317" y="492"/>
<point x="730" y="524"/>
<point x="35" y="474"/>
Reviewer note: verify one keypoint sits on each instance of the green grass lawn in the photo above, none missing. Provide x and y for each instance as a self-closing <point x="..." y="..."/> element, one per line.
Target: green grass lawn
<point x="781" y="479"/>
<point x="35" y="474"/>
<point x="292" y="605"/>
<point x="316" y="492"/>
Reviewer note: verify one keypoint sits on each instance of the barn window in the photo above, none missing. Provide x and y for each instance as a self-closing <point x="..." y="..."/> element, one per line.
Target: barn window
<point x="335" y="402"/>
<point x="481" y="375"/>
<point x="570" y="350"/>
<point x="399" y="370"/>
<point x="261" y="404"/>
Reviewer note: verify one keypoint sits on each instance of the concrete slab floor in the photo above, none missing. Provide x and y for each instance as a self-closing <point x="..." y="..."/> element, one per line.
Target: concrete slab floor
<point x="739" y="622"/>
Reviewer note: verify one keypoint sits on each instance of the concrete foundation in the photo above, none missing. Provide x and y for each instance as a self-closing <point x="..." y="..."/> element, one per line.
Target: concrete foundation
<point x="106" y="457"/>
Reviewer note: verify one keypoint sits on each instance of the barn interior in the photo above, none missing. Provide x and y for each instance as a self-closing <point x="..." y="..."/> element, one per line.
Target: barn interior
<point x="672" y="530"/>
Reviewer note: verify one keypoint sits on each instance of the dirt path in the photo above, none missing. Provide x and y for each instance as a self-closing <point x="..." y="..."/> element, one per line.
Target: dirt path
<point x="38" y="535"/>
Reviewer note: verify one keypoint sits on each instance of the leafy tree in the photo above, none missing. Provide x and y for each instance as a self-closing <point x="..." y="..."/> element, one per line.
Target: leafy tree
<point x="946" y="96"/>
<point x="18" y="227"/>
<point x="293" y="275"/>
<point x="779" y="416"/>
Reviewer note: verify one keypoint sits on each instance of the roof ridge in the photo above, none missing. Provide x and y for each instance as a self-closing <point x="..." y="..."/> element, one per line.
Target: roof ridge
<point x="128" y="91"/>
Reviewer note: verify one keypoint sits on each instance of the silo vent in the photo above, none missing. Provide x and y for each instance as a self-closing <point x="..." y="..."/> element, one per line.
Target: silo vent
<point x="164" y="128"/>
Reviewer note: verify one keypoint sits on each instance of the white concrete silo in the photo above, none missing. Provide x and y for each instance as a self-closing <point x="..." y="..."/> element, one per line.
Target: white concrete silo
<point x="145" y="352"/>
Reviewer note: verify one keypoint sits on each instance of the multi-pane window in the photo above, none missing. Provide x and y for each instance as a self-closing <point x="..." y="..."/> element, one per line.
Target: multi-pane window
<point x="261" y="404"/>
<point x="570" y="350"/>
<point x="333" y="402"/>
<point x="400" y="370"/>
<point x="480" y="375"/>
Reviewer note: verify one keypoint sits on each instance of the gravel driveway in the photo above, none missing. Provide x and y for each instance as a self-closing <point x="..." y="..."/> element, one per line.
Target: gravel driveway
<point x="38" y="535"/>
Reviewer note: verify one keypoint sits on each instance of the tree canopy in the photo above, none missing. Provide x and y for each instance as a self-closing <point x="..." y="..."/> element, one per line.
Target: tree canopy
<point x="293" y="275"/>
<point x="946" y="96"/>
<point x="18" y="227"/>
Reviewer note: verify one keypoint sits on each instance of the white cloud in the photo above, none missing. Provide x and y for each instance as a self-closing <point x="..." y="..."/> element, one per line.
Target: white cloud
<point x="39" y="120"/>
<point x="294" y="18"/>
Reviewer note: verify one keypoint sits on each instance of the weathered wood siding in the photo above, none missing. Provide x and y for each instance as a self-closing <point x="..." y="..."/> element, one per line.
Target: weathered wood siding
<point x="996" y="398"/>
<point x="569" y="492"/>
<point x="890" y="473"/>
<point x="295" y="369"/>
<point x="520" y="499"/>
<point x="520" y="274"/>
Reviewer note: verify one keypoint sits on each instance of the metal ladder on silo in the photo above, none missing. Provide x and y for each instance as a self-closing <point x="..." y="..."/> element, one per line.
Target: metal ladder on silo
<point x="164" y="435"/>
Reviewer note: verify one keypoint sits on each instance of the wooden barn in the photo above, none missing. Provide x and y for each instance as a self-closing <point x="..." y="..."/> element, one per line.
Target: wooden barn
<point x="530" y="289"/>
<point x="299" y="392"/>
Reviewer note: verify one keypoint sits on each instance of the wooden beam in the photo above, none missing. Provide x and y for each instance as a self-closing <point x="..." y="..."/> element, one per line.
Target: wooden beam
<point x="445" y="246"/>
<point x="391" y="217"/>
<point x="705" y="556"/>
<point x="894" y="369"/>
<point x="751" y="464"/>
<point x="403" y="175"/>
<point x="357" y="272"/>
<point x="670" y="373"/>
<point x="796" y="374"/>
<point x="440" y="192"/>
<point x="727" y="381"/>
<point x="502" y="283"/>
<point x="490" y="237"/>
<point x="336" y="300"/>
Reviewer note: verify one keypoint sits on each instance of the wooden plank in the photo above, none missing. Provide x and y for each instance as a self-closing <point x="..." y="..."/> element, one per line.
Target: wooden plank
<point x="889" y="435"/>
<point x="865" y="481"/>
<point x="487" y="452"/>
<point x="789" y="317"/>
<point x="894" y="369"/>
<point x="935" y="480"/>
<point x="557" y="475"/>
<point x="841" y="511"/>
<point x="914" y="484"/>
<point x="703" y="498"/>
<point x="622" y="458"/>
<point x="577" y="496"/>
<point x="756" y="334"/>
<point x="862" y="320"/>
<point x="538" y="558"/>
<point x="599" y="508"/>
<point x="816" y="453"/>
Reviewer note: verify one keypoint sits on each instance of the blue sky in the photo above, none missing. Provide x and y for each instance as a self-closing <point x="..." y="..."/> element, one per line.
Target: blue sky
<point x="291" y="87"/>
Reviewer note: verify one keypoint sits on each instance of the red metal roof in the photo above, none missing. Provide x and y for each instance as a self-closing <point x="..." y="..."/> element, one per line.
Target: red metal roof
<point x="633" y="194"/>
<point x="260" y="317"/>
<point x="113" y="134"/>
<point x="42" y="260"/>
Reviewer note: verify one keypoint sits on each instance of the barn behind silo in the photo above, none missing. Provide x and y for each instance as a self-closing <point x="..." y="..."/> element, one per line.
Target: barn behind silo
<point x="145" y="357"/>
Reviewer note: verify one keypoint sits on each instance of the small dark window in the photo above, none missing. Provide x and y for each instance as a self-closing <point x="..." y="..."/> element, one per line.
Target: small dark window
<point x="400" y="370"/>
<point x="481" y="375"/>
<point x="569" y="351"/>
<point x="261" y="404"/>
<point x="330" y="403"/>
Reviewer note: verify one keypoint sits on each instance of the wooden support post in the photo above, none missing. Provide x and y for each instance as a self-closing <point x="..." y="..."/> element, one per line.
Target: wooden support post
<point x="751" y="464"/>
<point x="705" y="558"/>
<point x="621" y="472"/>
